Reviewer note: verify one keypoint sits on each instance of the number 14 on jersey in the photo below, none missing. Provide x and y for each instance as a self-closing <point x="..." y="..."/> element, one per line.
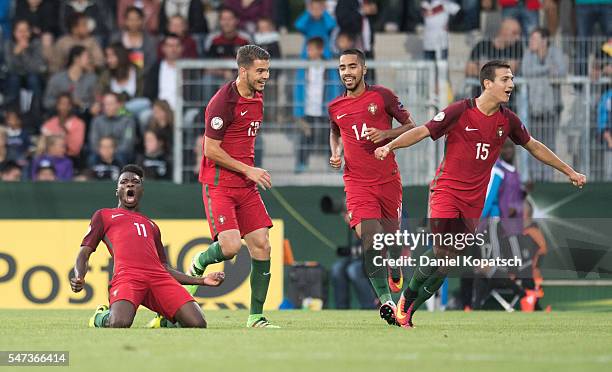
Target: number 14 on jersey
<point x="364" y="131"/>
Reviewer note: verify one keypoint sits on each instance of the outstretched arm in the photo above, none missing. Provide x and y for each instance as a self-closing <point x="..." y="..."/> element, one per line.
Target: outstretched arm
<point x="376" y="135"/>
<point x="80" y="269"/>
<point x="407" y="139"/>
<point x="539" y="151"/>
<point x="212" y="280"/>
<point x="214" y="152"/>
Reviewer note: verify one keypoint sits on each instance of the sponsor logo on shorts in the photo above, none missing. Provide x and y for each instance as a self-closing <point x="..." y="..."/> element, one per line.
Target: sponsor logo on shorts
<point x="221" y="219"/>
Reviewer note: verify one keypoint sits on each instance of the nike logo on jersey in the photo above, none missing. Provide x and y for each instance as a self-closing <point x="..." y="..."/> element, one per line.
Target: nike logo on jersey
<point x="338" y="117"/>
<point x="468" y="129"/>
<point x="243" y="113"/>
<point x="116" y="215"/>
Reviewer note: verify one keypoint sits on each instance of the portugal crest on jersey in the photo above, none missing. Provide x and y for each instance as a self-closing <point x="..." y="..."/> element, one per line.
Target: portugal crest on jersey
<point x="500" y="132"/>
<point x="372" y="108"/>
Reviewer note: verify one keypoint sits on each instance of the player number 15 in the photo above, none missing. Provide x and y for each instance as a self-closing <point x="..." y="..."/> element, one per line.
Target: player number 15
<point x="482" y="150"/>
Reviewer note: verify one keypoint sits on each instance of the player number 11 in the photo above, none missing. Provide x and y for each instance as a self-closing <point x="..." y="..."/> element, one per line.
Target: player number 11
<point x="138" y="227"/>
<point x="482" y="150"/>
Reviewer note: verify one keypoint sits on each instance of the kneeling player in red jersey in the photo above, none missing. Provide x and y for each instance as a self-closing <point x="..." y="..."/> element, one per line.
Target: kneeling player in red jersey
<point x="474" y="130"/>
<point x="142" y="275"/>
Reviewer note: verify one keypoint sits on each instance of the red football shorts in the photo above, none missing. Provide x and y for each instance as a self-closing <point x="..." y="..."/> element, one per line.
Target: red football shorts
<point x="381" y="202"/>
<point x="448" y="214"/>
<point x="160" y="293"/>
<point x="239" y="208"/>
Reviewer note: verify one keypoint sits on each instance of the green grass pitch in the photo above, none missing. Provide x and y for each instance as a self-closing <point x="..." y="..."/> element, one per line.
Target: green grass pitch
<point x="323" y="341"/>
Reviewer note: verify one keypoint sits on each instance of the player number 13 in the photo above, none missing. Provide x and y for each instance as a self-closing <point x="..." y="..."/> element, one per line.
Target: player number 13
<point x="482" y="150"/>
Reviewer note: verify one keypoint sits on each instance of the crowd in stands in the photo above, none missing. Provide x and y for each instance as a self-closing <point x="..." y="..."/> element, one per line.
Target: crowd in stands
<point x="89" y="85"/>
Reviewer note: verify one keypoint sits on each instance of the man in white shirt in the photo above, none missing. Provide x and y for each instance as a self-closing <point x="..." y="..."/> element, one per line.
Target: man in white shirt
<point x="160" y="82"/>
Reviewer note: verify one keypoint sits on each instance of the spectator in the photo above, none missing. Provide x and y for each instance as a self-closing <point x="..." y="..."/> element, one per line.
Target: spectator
<point x="104" y="165"/>
<point x="26" y="64"/>
<point x="250" y="12"/>
<point x="267" y="37"/>
<point x="526" y="12"/>
<point x="77" y="79"/>
<point x="178" y="26"/>
<point x="18" y="141"/>
<point x="110" y="123"/>
<point x="190" y="10"/>
<point x="162" y="122"/>
<point x="355" y="17"/>
<point x="541" y="64"/>
<point x="149" y="9"/>
<point x="436" y="14"/>
<point x="311" y="94"/>
<point x="315" y="21"/>
<point x="121" y="76"/>
<point x="10" y="171"/>
<point x="100" y="20"/>
<point x="68" y="125"/>
<point x="225" y="42"/>
<point x="42" y="16"/>
<point x="53" y="152"/>
<point x="160" y="82"/>
<point x="79" y="36"/>
<point x="45" y="172"/>
<point x="5" y="18"/>
<point x="602" y="63"/>
<point x="604" y="126"/>
<point x="141" y="45"/>
<point x="505" y="46"/>
<point x="3" y="146"/>
<point x="590" y="13"/>
<point x="343" y="41"/>
<point x="155" y="161"/>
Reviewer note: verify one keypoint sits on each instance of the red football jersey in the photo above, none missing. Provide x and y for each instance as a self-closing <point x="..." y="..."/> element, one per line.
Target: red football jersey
<point x="235" y="121"/>
<point x="132" y="239"/>
<point x="472" y="145"/>
<point x="375" y="108"/>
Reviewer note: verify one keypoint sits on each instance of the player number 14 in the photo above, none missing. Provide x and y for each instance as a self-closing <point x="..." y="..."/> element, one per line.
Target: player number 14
<point x="482" y="150"/>
<point x="140" y="226"/>
<point x="364" y="131"/>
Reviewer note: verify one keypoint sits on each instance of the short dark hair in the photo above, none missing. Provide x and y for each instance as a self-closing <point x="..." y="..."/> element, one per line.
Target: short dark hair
<point x="75" y="53"/>
<point x="355" y="52"/>
<point x="317" y="41"/>
<point x="226" y="9"/>
<point x="543" y="32"/>
<point x="247" y="54"/>
<point x="8" y="166"/>
<point x="487" y="72"/>
<point x="74" y="19"/>
<point x="131" y="9"/>
<point x="136" y="169"/>
<point x="171" y="35"/>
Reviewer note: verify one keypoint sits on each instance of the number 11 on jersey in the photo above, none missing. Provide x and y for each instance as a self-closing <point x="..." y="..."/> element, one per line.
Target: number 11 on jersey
<point x="138" y="229"/>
